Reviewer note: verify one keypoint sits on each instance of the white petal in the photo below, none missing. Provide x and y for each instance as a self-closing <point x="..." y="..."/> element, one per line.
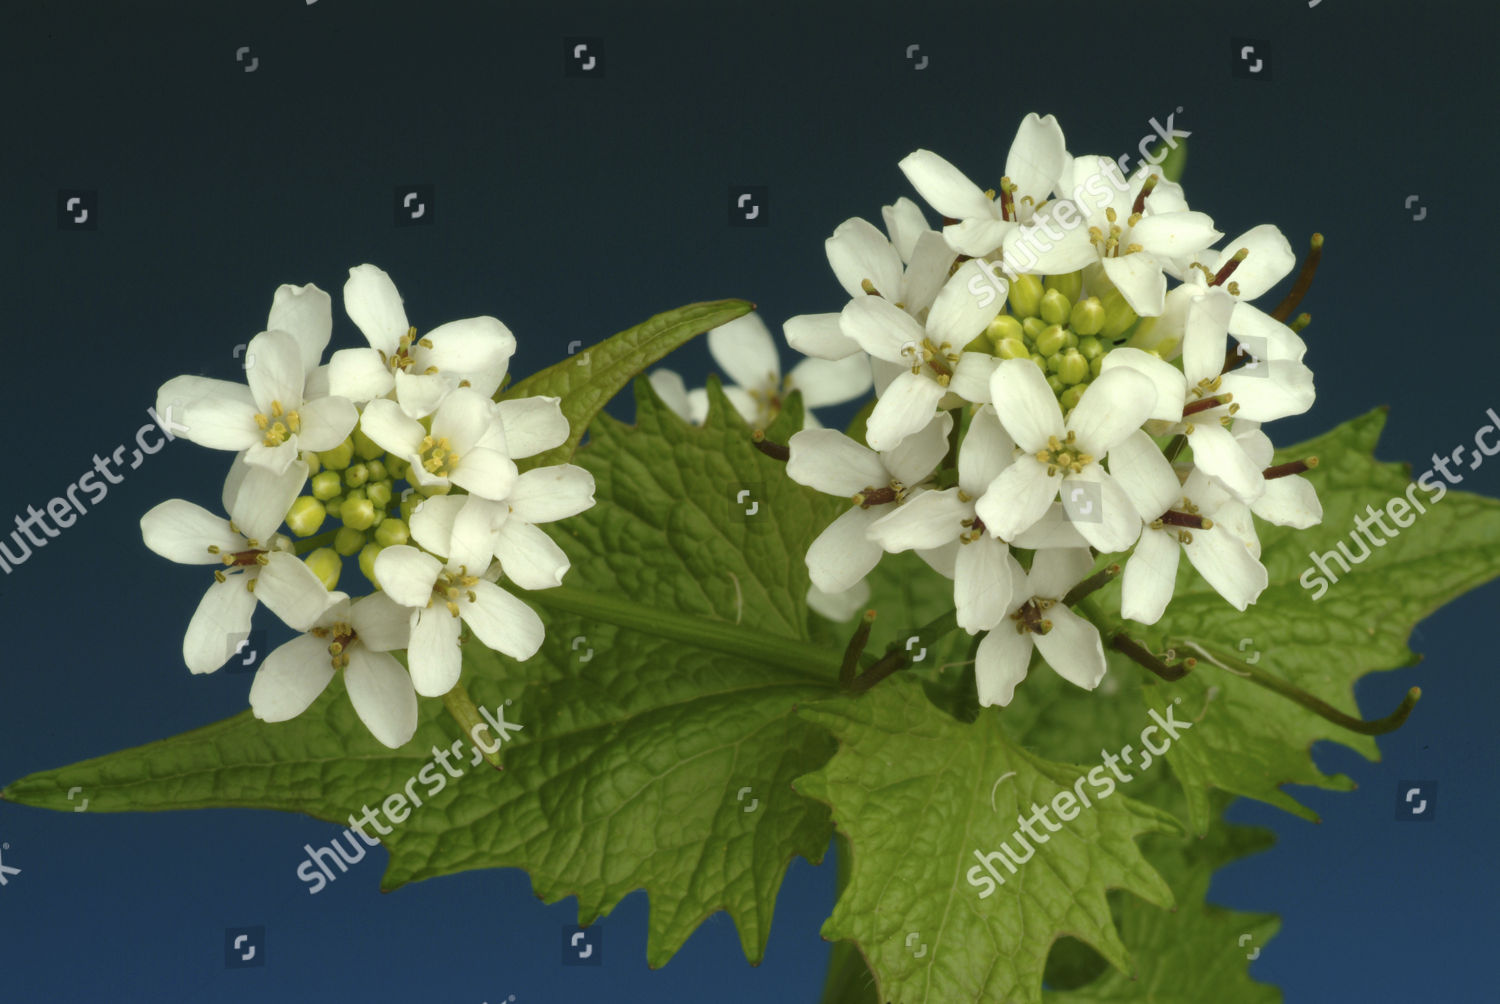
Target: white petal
<point x="262" y="498"/>
<point x="1140" y="469"/>
<point x="326" y="422"/>
<point x="839" y="606"/>
<point x="669" y="387"/>
<point x="1277" y="389"/>
<point x="276" y="375"/>
<point x="1171" y="387"/>
<point x="882" y="329"/>
<point x="1227" y="564"/>
<point x="858" y="252"/>
<point x="305" y="313"/>
<point x="1026" y="406"/>
<point x="213" y="413"/>
<point x="1000" y="663"/>
<point x="381" y="693"/>
<point x="476" y="349"/>
<point x="746" y="352"/>
<point x="530" y="558"/>
<point x="391" y="428"/>
<point x="927" y="521"/>
<point x="1218" y="454"/>
<point x="277" y="459"/>
<point x="1057" y="570"/>
<point x="982" y="584"/>
<point x="825" y="382"/>
<point x="372" y="303"/>
<point x="1037" y="156"/>
<point x="465" y="417"/>
<point x="1110" y="409"/>
<point x="1018" y="498"/>
<point x="1138" y="278"/>
<point x="1029" y="249"/>
<point x="906" y="407"/>
<point x="219" y="624"/>
<point x="1205" y="335"/>
<point x="485" y="473"/>
<point x="502" y="622"/>
<point x="1270" y="260"/>
<point x="407" y="575"/>
<point x="971" y="376"/>
<point x="183" y="532"/>
<point x="1116" y="524"/>
<point x="819" y="335"/>
<point x="958" y="315"/>
<point x="382" y="624"/>
<point x="831" y="462"/>
<point x="945" y="188"/>
<point x="1173" y="235"/>
<point x="546" y="494"/>
<point x="421" y="394"/>
<point x="931" y="261"/>
<point x="359" y="375"/>
<point x="471" y="546"/>
<point x="1073" y="648"/>
<point x="1289" y="501"/>
<point x="432" y="522"/>
<point x="536" y="424"/>
<point x="1053" y="530"/>
<point x="942" y="560"/>
<point x="290" y="679"/>
<point x="433" y="655"/>
<point x="1150" y="576"/>
<point x="843" y="554"/>
<point x="985" y="452"/>
<point x="292" y="591"/>
<point x="906" y="224"/>
<point x="919" y="454"/>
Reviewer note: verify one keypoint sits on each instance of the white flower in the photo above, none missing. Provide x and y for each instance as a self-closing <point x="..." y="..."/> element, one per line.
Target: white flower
<point x="467" y="446"/>
<point x="1064" y="455"/>
<point x="474" y="352"/>
<point x="746" y="352"/>
<point x="1288" y="499"/>
<point x="981" y="580"/>
<point x="1213" y="529"/>
<point x="257" y="564"/>
<point x="357" y="638"/>
<point x="269" y="420"/>
<point x="1267" y="259"/>
<point x="831" y="462"/>
<point x="1036" y="159"/>
<point x="930" y="355"/>
<point x="1134" y="229"/>
<point x="908" y="269"/>
<point x="443" y="592"/>
<point x="1069" y="643"/>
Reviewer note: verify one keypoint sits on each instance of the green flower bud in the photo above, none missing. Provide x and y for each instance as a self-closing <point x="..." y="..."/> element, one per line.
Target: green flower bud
<point x="395" y="467"/>
<point x="1069" y="398"/>
<point x="434" y="489"/>
<point x="1069" y="285"/>
<point x="1070" y="339"/>
<point x="332" y="505"/>
<point x="313" y="463"/>
<point x="980" y="344"/>
<point x="348" y="541"/>
<point x="1012" y="348"/>
<point x="391" y="532"/>
<point x="1087" y="317"/>
<point x="409" y="504"/>
<point x="1094" y="365"/>
<point x="1055" y="307"/>
<point x="338" y="458"/>
<point x="379" y="494"/>
<point x="1002" y="327"/>
<point x="357" y="514"/>
<point x="1051" y="341"/>
<point x="1054" y="362"/>
<point x="1033" y="326"/>
<point x="356" y="474"/>
<point x="376" y="470"/>
<point x="1025" y="295"/>
<point x="355" y="495"/>
<point x="1074" y="368"/>
<point x="326" y="485"/>
<point x="305" y="516"/>
<point x="1118" y="317"/>
<point x="1040" y="361"/>
<point x="326" y="566"/>
<point x="1091" y="348"/>
<point x="365" y="446"/>
<point x="367" y="556"/>
<point x="1055" y="382"/>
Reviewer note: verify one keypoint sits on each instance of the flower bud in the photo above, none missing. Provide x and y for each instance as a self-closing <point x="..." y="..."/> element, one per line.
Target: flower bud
<point x="332" y="506"/>
<point x="1055" y="382"/>
<point x="1002" y="327"/>
<point x="1069" y="398"/>
<point x="1051" y="340"/>
<point x="395" y="467"/>
<point x="356" y="474"/>
<point x="979" y="343"/>
<point x="1070" y="339"/>
<point x="391" y="532"/>
<point x="1011" y="348"/>
<point x="1069" y="285"/>
<point x="379" y="494"/>
<point x="1054" y="362"/>
<point x="326" y="566"/>
<point x="1074" y="368"/>
<point x="366" y="447"/>
<point x="1090" y="348"/>
<point x="1033" y="326"/>
<point x="1095" y="365"/>
<point x="367" y="556"/>
<point x="338" y="458"/>
<point x="311" y="460"/>
<point x="348" y="541"/>
<point x="357" y="514"/>
<point x="1087" y="317"/>
<point x="326" y="485"/>
<point x="376" y="470"/>
<point x="305" y="516"/>
<point x="1025" y="295"/>
<point x="1054" y="307"/>
<point x="1118" y="317"/>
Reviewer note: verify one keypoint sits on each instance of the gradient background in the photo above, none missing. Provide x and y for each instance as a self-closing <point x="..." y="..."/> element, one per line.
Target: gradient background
<point x="573" y="208"/>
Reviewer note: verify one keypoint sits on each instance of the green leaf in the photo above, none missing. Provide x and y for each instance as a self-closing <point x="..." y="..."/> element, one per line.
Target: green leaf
<point x="910" y="787"/>
<point x="1253" y="741"/>
<point x="587" y="381"/>
<point x="660" y="735"/>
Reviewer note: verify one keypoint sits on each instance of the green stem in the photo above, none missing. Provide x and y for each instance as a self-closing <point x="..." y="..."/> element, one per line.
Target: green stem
<point x="461" y="706"/>
<point x="899" y="658"/>
<point x="856" y="649"/>
<point x="812" y="661"/>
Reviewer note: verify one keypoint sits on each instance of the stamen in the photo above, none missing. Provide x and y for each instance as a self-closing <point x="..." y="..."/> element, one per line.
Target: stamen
<point x="1208" y="402"/>
<point x="1304" y="280"/>
<point x="1286" y="470"/>
<point x="1140" y="199"/>
<point x="773" y="450"/>
<point x="869" y="287"/>
<point x="1174" y="518"/>
<point x="1228" y="268"/>
<point x="1007" y="200"/>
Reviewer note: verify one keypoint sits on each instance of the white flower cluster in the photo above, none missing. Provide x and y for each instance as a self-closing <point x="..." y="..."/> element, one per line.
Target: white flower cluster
<point x="409" y="408"/>
<point x="1040" y="388"/>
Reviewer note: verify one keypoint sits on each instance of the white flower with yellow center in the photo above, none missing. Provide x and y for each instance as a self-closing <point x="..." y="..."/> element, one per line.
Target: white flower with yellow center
<point x="257" y="563"/>
<point x="1036" y="618"/>
<point x="358" y="639"/>
<point x="474" y="352"/>
<point x="465" y="447"/>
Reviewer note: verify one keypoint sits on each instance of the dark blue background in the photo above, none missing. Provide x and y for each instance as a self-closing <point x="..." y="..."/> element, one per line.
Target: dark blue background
<point x="572" y="208"/>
